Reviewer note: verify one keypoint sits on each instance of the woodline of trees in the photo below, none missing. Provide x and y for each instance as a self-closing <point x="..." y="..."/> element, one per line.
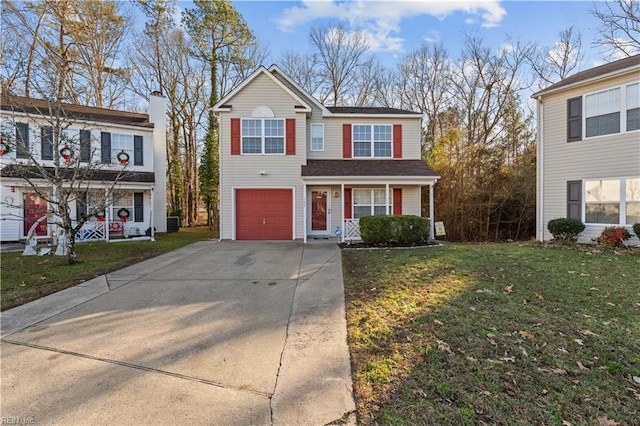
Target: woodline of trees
<point x="478" y="130"/>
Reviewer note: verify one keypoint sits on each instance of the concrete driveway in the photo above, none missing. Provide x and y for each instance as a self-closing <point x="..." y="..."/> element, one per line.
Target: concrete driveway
<point x="214" y="333"/>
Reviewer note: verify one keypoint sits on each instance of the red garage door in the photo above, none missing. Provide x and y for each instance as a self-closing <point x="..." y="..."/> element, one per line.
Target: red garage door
<point x="264" y="214"/>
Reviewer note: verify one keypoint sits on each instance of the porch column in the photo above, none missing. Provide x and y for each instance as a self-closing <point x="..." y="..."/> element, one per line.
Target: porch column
<point x="431" y="213"/>
<point x="107" y="213"/>
<point x="342" y="210"/>
<point x="386" y="199"/>
<point x="304" y="212"/>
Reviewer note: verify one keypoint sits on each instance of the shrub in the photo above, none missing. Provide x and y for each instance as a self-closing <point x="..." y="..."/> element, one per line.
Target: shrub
<point x="394" y="229"/>
<point x="636" y="229"/>
<point x="614" y="236"/>
<point x="565" y="230"/>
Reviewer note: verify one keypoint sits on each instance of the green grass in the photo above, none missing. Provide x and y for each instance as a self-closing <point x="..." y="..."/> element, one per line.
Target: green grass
<point x="509" y="334"/>
<point x="25" y="278"/>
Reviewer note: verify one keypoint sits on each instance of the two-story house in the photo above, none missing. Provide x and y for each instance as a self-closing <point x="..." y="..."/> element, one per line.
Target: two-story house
<point x="125" y="151"/>
<point x="589" y="149"/>
<point x="291" y="168"/>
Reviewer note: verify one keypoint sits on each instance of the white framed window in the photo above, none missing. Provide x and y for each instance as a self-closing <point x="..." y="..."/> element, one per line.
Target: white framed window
<point x="370" y="202"/>
<point x="317" y="137"/>
<point x="602" y="113"/>
<point x="119" y="143"/>
<point x="372" y="140"/>
<point x="262" y="136"/>
<point x="612" y="201"/>
<point x="632" y="200"/>
<point x="633" y="107"/>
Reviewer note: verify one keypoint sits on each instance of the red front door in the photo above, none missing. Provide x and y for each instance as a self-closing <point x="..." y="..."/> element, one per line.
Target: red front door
<point x="318" y="210"/>
<point x="34" y="208"/>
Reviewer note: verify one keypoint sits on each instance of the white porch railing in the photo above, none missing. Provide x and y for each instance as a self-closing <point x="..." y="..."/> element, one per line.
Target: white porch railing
<point x="92" y="231"/>
<point x="352" y="229"/>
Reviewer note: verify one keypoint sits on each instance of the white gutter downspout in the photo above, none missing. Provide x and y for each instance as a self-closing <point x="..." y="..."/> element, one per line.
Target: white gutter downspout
<point x="540" y="186"/>
<point x="220" y="180"/>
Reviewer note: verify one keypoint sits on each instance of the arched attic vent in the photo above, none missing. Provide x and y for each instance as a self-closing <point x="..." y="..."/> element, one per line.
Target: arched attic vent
<point x="262" y="112"/>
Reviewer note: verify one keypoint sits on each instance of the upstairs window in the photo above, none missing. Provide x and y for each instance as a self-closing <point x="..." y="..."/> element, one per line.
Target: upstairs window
<point x="262" y="136"/>
<point x="602" y="113"/>
<point x="372" y="140"/>
<point x="317" y="137"/>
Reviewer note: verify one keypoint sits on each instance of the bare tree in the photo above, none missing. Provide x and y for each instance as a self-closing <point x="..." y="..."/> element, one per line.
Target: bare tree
<point x="620" y="29"/>
<point x="340" y="54"/>
<point x="552" y="64"/>
<point x="304" y="70"/>
<point x="73" y="167"/>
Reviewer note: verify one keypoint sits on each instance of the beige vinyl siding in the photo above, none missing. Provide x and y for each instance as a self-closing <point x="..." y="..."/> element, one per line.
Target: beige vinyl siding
<point x="243" y="171"/>
<point x="608" y="156"/>
<point x="333" y="136"/>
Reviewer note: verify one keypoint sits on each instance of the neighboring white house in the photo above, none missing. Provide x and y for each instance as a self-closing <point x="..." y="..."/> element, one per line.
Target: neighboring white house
<point x="589" y="149"/>
<point x="291" y="168"/>
<point x="101" y="136"/>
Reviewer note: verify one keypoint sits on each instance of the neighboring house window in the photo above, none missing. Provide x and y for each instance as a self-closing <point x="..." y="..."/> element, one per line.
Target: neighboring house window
<point x="632" y="199"/>
<point x="122" y="200"/>
<point x="120" y="143"/>
<point x="633" y="107"/>
<point x="612" y="201"/>
<point x="369" y="202"/>
<point x="602" y="113"/>
<point x="372" y="140"/>
<point x="111" y="144"/>
<point x="317" y="137"/>
<point x="22" y="140"/>
<point x="263" y="136"/>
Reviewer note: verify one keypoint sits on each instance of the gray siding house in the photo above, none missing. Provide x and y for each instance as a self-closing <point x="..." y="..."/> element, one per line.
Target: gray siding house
<point x="589" y="149"/>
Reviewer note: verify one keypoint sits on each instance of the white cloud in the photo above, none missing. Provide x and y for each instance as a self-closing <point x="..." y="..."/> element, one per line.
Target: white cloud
<point x="381" y="19"/>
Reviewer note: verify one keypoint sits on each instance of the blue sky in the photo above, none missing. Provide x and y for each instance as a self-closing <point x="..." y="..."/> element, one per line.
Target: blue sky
<point x="395" y="28"/>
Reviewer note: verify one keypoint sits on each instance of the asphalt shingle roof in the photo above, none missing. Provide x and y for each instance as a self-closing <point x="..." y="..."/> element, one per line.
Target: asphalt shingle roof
<point x="592" y="73"/>
<point x="72" y="111"/>
<point x="364" y="168"/>
<point x="368" y="110"/>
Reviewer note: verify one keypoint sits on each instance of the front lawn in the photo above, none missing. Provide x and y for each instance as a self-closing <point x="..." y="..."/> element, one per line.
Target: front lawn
<point x="25" y="278"/>
<point x="509" y="334"/>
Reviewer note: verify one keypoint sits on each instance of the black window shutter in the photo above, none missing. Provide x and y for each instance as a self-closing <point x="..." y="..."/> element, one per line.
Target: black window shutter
<point x="137" y="151"/>
<point x="574" y="119"/>
<point x="574" y="199"/>
<point x="22" y="140"/>
<point x="81" y="205"/>
<point x="46" y="143"/>
<point x="105" y="147"/>
<point x="85" y="145"/>
<point x="138" y="207"/>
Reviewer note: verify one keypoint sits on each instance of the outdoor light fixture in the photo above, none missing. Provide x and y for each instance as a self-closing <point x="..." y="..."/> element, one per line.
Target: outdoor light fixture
<point x="263" y="173"/>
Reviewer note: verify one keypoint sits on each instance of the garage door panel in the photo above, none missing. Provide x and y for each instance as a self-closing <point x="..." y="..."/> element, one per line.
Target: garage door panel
<point x="264" y="214"/>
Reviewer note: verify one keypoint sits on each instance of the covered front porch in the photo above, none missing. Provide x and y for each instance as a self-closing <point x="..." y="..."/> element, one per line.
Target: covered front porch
<point x="337" y="193"/>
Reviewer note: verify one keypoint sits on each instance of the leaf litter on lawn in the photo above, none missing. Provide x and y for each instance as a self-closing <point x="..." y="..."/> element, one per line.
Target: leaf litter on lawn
<point x="460" y="345"/>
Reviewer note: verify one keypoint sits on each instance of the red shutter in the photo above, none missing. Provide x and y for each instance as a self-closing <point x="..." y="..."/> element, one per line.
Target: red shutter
<point x="397" y="141"/>
<point x="397" y="201"/>
<point x="346" y="142"/>
<point x="235" y="136"/>
<point x="347" y="203"/>
<point x="291" y="136"/>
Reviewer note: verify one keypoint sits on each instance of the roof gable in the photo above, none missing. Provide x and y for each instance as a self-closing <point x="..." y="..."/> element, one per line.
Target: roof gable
<point x="224" y="103"/>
